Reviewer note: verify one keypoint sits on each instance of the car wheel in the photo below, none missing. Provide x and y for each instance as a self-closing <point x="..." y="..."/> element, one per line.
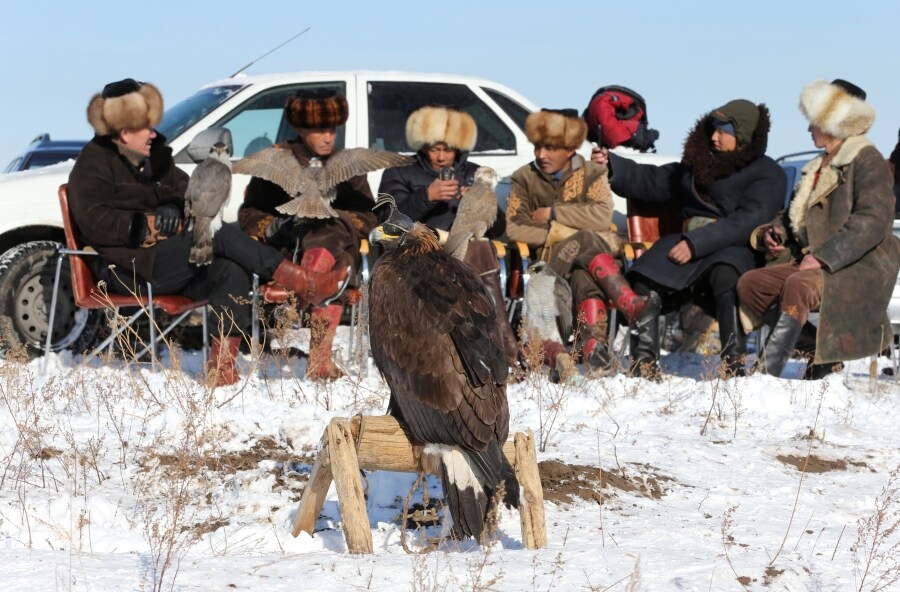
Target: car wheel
<point x="26" y="288"/>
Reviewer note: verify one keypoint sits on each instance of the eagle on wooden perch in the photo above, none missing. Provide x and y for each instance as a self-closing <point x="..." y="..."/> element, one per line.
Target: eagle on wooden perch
<point x="436" y="340"/>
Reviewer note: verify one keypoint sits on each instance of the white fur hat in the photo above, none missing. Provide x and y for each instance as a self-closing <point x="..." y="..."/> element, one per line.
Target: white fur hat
<point x="430" y="125"/>
<point x="838" y="108"/>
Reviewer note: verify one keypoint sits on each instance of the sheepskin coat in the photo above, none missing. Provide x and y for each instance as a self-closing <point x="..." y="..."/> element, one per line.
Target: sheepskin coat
<point x="722" y="197"/>
<point x="109" y="199"/>
<point x="580" y="198"/>
<point x="846" y="222"/>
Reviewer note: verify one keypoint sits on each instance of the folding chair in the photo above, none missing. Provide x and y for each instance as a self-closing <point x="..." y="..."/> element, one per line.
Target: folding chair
<point x="89" y="295"/>
<point x="647" y="222"/>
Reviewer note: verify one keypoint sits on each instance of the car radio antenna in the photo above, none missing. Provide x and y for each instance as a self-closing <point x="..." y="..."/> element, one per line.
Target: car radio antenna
<point x="270" y="51"/>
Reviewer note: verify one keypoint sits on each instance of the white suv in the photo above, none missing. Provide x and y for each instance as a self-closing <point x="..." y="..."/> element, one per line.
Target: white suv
<point x="251" y="107"/>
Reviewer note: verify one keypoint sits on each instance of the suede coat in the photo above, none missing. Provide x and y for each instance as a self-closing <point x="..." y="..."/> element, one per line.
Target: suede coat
<point x="846" y="222"/>
<point x="722" y="197"/>
<point x="580" y="199"/>
<point x="110" y="198"/>
<point x="409" y="186"/>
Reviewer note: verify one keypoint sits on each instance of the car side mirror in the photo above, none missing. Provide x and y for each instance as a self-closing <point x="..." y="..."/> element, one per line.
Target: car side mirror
<point x="203" y="142"/>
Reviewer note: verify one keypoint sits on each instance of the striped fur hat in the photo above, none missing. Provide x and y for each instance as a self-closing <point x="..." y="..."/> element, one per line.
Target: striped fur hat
<point x="561" y="128"/>
<point x="430" y="125"/>
<point x="319" y="108"/>
<point x="125" y="104"/>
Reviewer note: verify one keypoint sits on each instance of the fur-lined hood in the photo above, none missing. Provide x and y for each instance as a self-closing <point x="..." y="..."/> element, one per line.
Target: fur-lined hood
<point x="834" y="110"/>
<point x="709" y="165"/>
<point x="434" y="124"/>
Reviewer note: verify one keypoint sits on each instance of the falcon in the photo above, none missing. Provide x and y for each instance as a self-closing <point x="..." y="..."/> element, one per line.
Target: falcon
<point x="476" y="213"/>
<point x="313" y="188"/>
<point x="437" y="343"/>
<point x="548" y="304"/>
<point x="207" y="194"/>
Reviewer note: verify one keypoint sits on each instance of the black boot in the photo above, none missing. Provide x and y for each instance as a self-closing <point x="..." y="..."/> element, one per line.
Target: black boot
<point x="779" y="346"/>
<point x="820" y="371"/>
<point x="731" y="334"/>
<point x="644" y="342"/>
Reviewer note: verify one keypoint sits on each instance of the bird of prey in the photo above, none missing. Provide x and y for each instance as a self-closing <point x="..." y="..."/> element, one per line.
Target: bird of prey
<point x="207" y="194"/>
<point x="548" y="305"/>
<point x="435" y="338"/>
<point x="476" y="213"/>
<point x="313" y="188"/>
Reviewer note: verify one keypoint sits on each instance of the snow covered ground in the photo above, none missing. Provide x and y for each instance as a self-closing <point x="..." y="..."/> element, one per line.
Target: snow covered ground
<point x="121" y="478"/>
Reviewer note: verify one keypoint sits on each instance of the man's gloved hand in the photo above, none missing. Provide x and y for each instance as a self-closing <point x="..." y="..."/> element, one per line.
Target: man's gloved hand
<point x="168" y="216"/>
<point x="283" y="230"/>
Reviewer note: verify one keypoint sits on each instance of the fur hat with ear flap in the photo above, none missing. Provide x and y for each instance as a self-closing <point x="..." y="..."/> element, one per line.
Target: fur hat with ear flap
<point x="838" y="108"/>
<point x="433" y="124"/>
<point x="125" y="104"/>
<point x="556" y="127"/>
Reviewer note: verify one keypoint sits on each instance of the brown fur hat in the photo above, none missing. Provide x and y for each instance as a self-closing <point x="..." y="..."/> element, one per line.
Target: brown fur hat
<point x="556" y="127"/>
<point x="126" y="104"/>
<point x="319" y="108"/>
<point x="429" y="125"/>
<point x="838" y="108"/>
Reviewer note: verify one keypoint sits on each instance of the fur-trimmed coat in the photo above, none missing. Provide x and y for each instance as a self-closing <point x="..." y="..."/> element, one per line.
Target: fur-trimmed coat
<point x="109" y="199"/>
<point x="409" y="187"/>
<point x="581" y="199"/>
<point x="846" y="222"/>
<point x="723" y="196"/>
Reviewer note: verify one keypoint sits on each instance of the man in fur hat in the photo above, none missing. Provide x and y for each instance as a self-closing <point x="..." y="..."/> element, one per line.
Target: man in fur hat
<point x="323" y="244"/>
<point x="561" y="206"/>
<point x="840" y="255"/>
<point x="126" y="197"/>
<point x="442" y="138"/>
<point x="725" y="186"/>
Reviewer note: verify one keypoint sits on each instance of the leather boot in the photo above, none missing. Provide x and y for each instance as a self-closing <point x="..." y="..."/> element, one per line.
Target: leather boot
<point x="731" y="334"/>
<point x="510" y="346"/>
<point x="322" y="327"/>
<point x="779" y="346"/>
<point x="605" y="271"/>
<point x="644" y="343"/>
<point x="594" y="352"/>
<point x="220" y="370"/>
<point x="820" y="371"/>
<point x="310" y="286"/>
<point x="317" y="259"/>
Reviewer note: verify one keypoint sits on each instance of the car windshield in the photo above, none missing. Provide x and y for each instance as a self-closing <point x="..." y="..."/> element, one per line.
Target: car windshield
<point x="194" y="108"/>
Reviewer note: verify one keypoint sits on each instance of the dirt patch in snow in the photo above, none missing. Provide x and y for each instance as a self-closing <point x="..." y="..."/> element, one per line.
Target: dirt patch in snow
<point x="564" y="483"/>
<point x="815" y="464"/>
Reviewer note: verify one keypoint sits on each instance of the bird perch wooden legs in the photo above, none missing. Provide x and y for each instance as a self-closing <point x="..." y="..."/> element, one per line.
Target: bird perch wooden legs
<point x="380" y="443"/>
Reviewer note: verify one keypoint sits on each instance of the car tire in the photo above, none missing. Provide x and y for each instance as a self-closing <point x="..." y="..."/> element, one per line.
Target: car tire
<point x="26" y="285"/>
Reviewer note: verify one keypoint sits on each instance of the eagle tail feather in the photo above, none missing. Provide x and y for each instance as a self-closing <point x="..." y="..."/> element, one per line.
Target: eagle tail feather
<point x="464" y="493"/>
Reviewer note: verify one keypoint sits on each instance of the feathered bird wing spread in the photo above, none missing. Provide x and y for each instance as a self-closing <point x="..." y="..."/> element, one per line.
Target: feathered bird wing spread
<point x="434" y="336"/>
<point x="346" y="164"/>
<point x="278" y="166"/>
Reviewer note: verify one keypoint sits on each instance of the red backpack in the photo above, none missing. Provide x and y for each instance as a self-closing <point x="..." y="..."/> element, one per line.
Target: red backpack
<point x="617" y="116"/>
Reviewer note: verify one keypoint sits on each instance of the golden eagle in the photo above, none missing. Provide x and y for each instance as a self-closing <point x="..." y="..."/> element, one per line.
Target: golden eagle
<point x="436" y="340"/>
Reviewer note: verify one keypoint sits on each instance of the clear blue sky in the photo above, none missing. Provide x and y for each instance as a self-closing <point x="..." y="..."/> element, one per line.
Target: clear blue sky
<point x="684" y="57"/>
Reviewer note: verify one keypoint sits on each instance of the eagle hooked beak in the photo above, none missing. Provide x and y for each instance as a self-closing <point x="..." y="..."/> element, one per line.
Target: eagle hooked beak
<point x="395" y="226"/>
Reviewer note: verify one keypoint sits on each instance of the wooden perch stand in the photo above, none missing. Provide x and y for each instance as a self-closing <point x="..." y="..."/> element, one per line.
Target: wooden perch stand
<point x="380" y="443"/>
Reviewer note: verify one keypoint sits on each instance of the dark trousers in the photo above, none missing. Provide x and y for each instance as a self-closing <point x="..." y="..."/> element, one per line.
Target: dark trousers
<point x="571" y="259"/>
<point x="225" y="282"/>
<point x="799" y="292"/>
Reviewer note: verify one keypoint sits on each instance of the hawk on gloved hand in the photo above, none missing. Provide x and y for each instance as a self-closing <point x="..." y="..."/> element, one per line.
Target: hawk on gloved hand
<point x="476" y="213"/>
<point x="207" y="194"/>
<point x="435" y="338"/>
<point x="313" y="188"/>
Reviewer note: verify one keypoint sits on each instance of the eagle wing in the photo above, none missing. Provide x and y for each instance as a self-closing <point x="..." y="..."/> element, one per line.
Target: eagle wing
<point x="278" y="166"/>
<point x="434" y="336"/>
<point x="346" y="164"/>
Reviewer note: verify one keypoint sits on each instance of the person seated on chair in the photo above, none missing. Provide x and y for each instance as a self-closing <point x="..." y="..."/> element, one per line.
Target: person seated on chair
<point x="726" y="186"/>
<point x="561" y="206"/>
<point x="322" y="244"/>
<point x="126" y="197"/>
<point x="839" y="254"/>
<point x="442" y="138"/>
